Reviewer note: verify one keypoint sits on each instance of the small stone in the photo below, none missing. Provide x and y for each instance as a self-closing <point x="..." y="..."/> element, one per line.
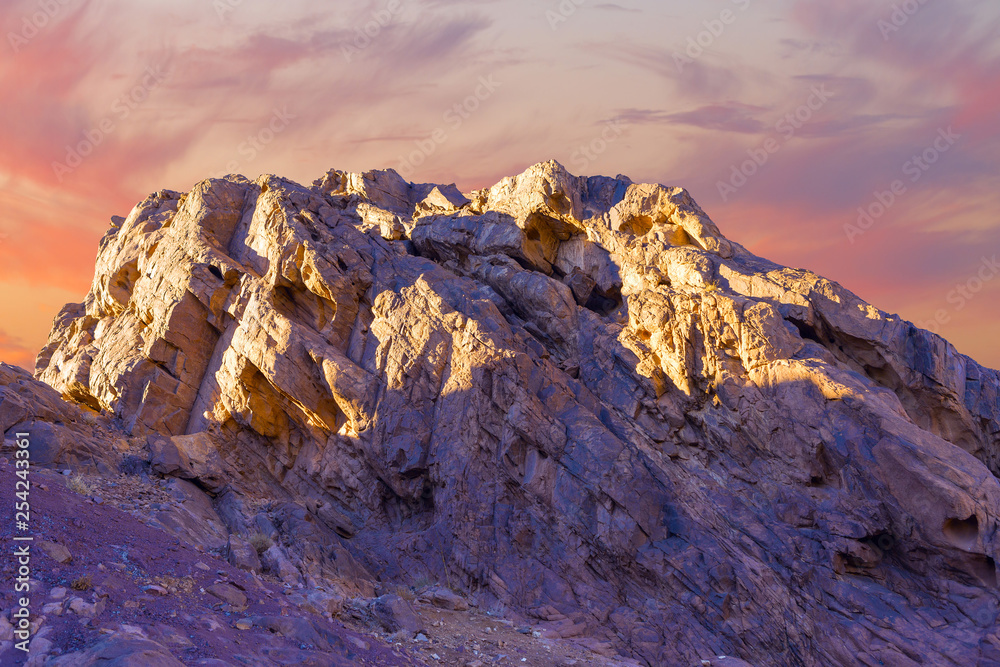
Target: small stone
<point x="133" y="630"/>
<point x="228" y="594"/>
<point x="56" y="551"/>
<point x="444" y="598"/>
<point x="39" y="647"/>
<point x="360" y="643"/>
<point x="244" y="624"/>
<point x="54" y="608"/>
<point x="6" y="629"/>
<point x="81" y="608"/>
<point x="421" y="637"/>
<point x="211" y="623"/>
<point x="155" y="590"/>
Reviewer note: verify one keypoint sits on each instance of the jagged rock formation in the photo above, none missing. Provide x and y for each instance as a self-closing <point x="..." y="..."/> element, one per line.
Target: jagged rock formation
<point x="571" y="395"/>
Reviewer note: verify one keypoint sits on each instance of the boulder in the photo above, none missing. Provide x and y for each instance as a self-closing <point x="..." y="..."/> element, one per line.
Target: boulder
<point x="394" y="613"/>
<point x="242" y="554"/>
<point x="229" y="594"/>
<point x="277" y="563"/>
<point x="444" y="598"/>
<point x="120" y="650"/>
<point x="193" y="457"/>
<point x="193" y="518"/>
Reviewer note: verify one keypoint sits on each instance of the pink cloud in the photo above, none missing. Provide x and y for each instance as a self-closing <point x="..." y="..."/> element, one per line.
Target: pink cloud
<point x="13" y="351"/>
<point x="45" y="254"/>
<point x="687" y="126"/>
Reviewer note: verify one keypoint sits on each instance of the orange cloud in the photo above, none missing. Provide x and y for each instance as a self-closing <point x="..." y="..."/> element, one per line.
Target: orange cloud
<point x="14" y="352"/>
<point x="227" y="76"/>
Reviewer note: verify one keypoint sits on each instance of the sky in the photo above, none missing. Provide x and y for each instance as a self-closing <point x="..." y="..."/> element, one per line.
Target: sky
<point x="859" y="139"/>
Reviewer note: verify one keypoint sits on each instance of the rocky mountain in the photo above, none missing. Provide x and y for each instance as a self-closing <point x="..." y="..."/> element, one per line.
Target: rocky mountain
<point x="570" y="400"/>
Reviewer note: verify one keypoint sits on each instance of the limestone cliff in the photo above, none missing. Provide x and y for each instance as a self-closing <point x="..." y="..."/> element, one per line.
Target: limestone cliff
<point x="572" y="396"/>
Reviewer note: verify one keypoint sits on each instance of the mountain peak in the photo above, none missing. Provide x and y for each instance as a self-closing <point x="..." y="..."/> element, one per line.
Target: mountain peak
<point x="570" y="396"/>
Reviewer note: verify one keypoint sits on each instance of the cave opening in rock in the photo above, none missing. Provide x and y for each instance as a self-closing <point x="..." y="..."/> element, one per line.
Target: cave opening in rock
<point x="962" y="533"/>
<point x="807" y="331"/>
<point x="640" y="225"/>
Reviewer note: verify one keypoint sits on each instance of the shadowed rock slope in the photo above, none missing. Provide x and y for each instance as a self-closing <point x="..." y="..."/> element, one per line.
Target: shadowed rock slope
<point x="571" y="396"/>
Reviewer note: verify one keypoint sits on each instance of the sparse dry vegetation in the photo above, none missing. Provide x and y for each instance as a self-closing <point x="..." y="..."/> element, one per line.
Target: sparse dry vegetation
<point x="260" y="542"/>
<point x="84" y="583"/>
<point x="497" y="610"/>
<point x="175" y="584"/>
<point x="78" y="484"/>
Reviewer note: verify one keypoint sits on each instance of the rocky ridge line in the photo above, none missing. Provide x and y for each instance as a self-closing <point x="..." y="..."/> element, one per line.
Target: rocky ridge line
<point x="571" y="396"/>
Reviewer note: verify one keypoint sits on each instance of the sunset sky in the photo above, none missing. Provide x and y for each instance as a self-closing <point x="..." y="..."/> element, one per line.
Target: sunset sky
<point x="106" y="101"/>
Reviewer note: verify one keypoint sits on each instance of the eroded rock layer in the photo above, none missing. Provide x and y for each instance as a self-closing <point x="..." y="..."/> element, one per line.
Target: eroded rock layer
<point x="572" y="396"/>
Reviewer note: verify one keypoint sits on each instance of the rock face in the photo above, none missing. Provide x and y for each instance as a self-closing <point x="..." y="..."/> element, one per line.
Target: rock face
<point x="61" y="433"/>
<point x="572" y="396"/>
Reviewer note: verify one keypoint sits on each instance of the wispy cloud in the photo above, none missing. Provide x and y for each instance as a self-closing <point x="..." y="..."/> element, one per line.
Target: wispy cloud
<point x="15" y="352"/>
<point x="687" y="126"/>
